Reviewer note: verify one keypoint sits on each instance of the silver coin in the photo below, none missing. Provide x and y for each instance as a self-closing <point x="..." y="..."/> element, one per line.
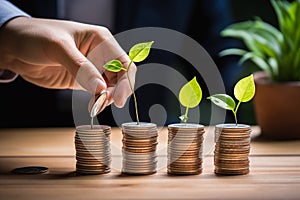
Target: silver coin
<point x="185" y="126"/>
<point x="99" y="103"/>
<point x="30" y="170"/>
<point x="141" y="125"/>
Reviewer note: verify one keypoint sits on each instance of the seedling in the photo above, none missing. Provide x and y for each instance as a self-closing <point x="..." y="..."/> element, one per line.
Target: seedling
<point x="137" y="53"/>
<point x="190" y="96"/>
<point x="244" y="91"/>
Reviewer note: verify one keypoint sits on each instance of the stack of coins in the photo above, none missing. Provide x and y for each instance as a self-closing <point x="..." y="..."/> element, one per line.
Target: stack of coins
<point x="92" y="149"/>
<point x="185" y="149"/>
<point x="139" y="148"/>
<point x="232" y="148"/>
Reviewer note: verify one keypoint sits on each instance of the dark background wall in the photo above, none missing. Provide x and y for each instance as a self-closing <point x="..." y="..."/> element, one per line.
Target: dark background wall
<point x="25" y="105"/>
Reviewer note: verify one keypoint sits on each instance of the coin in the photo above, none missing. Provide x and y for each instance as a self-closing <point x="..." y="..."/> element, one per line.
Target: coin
<point x="232" y="172"/>
<point x="185" y="149"/>
<point x="232" y="148"/>
<point x="92" y="146"/>
<point x="30" y="170"/>
<point x="139" y="148"/>
<point x="98" y="104"/>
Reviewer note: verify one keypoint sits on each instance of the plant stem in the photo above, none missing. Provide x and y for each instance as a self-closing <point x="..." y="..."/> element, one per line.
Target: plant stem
<point x="235" y="112"/>
<point x="186" y="114"/>
<point x="134" y="97"/>
<point x="235" y="118"/>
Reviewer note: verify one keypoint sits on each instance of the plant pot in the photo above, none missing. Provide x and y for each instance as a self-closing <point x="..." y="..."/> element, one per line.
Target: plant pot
<point x="232" y="148"/>
<point x="139" y="148"/>
<point x="185" y="145"/>
<point x="277" y="108"/>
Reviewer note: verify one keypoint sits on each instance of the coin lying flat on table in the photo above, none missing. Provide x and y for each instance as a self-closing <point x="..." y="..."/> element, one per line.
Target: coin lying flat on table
<point x="30" y="170"/>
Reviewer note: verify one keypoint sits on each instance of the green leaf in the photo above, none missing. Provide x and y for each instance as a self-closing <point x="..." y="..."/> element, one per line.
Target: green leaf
<point x="274" y="65"/>
<point x="114" y="66"/>
<point x="274" y="50"/>
<point x="244" y="90"/>
<point x="244" y="35"/>
<point x="233" y="51"/>
<point x="260" y="62"/>
<point x="248" y="56"/>
<point x="190" y="94"/>
<point x="223" y="100"/>
<point x="264" y="28"/>
<point x="139" y="52"/>
<point x="266" y="46"/>
<point x="260" y="37"/>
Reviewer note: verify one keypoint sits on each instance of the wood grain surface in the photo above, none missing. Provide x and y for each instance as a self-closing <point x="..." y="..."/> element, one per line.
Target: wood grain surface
<point x="274" y="171"/>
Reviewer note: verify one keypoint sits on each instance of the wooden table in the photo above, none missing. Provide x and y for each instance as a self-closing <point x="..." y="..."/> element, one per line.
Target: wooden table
<point x="274" y="171"/>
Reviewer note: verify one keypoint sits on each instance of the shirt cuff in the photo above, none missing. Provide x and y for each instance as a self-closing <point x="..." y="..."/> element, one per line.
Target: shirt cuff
<point x="7" y="76"/>
<point x="9" y="11"/>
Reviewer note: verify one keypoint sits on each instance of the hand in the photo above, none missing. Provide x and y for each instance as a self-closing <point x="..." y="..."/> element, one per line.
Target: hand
<point x="53" y="54"/>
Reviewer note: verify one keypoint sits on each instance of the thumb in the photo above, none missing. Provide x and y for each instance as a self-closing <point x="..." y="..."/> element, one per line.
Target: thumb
<point x="83" y="71"/>
<point x="89" y="78"/>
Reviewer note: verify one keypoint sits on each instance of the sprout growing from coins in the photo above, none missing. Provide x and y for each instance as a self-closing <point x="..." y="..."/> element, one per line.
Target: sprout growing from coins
<point x="137" y="53"/>
<point x="190" y="96"/>
<point x="244" y="91"/>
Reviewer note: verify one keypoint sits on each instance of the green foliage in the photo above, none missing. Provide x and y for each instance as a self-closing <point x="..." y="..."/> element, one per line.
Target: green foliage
<point x="114" y="66"/>
<point x="244" y="91"/>
<point x="275" y="51"/>
<point x="137" y="53"/>
<point x="140" y="52"/>
<point x="190" y="96"/>
<point x="223" y="100"/>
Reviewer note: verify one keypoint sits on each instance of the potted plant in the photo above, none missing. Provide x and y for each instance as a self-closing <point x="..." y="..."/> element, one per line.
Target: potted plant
<point x="233" y="139"/>
<point x="275" y="51"/>
<point x="139" y="138"/>
<point x="185" y="139"/>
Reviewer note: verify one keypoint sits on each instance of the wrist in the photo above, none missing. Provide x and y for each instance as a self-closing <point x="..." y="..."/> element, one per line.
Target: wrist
<point x="10" y="41"/>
